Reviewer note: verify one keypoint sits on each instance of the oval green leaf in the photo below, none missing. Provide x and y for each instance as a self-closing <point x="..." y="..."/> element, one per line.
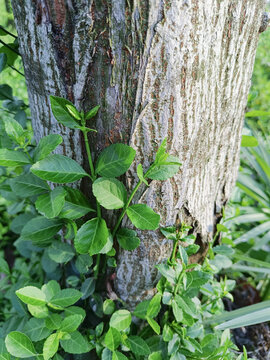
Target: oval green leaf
<point x="143" y="217"/>
<point x="59" y="169"/>
<point x="115" y="160"/>
<point x="19" y="345"/>
<point x="120" y="320"/>
<point x="51" y="204"/>
<point x="92" y="237"/>
<point x="31" y="295"/>
<point x="110" y="193"/>
<point x="61" y="112"/>
<point x="46" y="145"/>
<point x="127" y="239"/>
<point x="41" y="230"/>
<point x="13" y="158"/>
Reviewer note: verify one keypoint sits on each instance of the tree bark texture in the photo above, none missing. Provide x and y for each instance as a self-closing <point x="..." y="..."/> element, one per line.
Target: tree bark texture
<point x="175" y="68"/>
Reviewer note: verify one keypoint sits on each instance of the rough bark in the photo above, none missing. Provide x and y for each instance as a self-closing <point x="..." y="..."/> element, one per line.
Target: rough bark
<point x="175" y="68"/>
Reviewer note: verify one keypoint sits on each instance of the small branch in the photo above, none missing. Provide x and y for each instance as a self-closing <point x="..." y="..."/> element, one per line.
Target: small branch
<point x="18" y="71"/>
<point x="9" y="33"/>
<point x="10" y="48"/>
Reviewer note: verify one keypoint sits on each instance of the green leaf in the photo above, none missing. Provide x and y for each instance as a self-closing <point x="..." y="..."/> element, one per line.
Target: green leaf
<point x="46" y="145"/>
<point x="74" y="112"/>
<point x="88" y="287"/>
<point x="19" y="221"/>
<point x="51" y="289"/>
<point x="36" y="329"/>
<point x="177" y="312"/>
<point x="76" y="204"/>
<point x="154" y="325"/>
<point x="143" y="217"/>
<point x="108" y="307"/>
<point x="31" y="295"/>
<point x="91" y="113"/>
<point x="41" y="230"/>
<point x="249" y="141"/>
<point x="230" y="315"/>
<point x="250" y="318"/>
<point x="106" y="354"/>
<point x="187" y="305"/>
<point x="161" y="153"/>
<point x="61" y="112"/>
<point x="140" y="174"/>
<point x="222" y="228"/>
<point x="15" y="131"/>
<point x="51" y="204"/>
<point x="27" y="185"/>
<point x="3" y="61"/>
<point x="50" y="346"/>
<point x="224" y="250"/>
<point x="19" y="345"/>
<point x="5" y="90"/>
<point x="257" y="113"/>
<point x="167" y="333"/>
<point x="83" y="263"/>
<point x="13" y="158"/>
<point x="155" y="356"/>
<point x="11" y="55"/>
<point x="4" y="355"/>
<point x="127" y="239"/>
<point x="77" y="344"/>
<point x="164" y="170"/>
<point x="75" y="310"/>
<point x="183" y="255"/>
<point x="61" y="252"/>
<point x="4" y="268"/>
<point x="115" y="160"/>
<point x="91" y="237"/>
<point x="118" y="356"/>
<point x="168" y="272"/>
<point x="65" y="298"/>
<point x="39" y="312"/>
<point x="71" y="323"/>
<point x="197" y="278"/>
<point x="53" y="322"/>
<point x="59" y="169"/>
<point x="110" y="193"/>
<point x="112" y="339"/>
<point x="154" y="306"/>
<point x="138" y="346"/>
<point x="120" y="320"/>
<point x="141" y="309"/>
<point x="253" y="233"/>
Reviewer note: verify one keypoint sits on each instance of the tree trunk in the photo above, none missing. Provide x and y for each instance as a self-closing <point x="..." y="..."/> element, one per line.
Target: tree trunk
<point x="175" y="68"/>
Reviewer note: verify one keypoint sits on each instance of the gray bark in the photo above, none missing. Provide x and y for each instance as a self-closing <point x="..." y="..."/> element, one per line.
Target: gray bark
<point x="175" y="68"/>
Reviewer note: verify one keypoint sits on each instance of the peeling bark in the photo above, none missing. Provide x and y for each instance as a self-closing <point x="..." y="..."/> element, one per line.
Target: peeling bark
<point x="175" y="68"/>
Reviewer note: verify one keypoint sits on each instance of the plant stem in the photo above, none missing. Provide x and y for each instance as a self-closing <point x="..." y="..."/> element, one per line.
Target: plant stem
<point x="97" y="267"/>
<point x="18" y="71"/>
<point x="174" y="251"/>
<point x="10" y="48"/>
<point x="92" y="170"/>
<point x="28" y="155"/>
<point x="125" y="208"/>
<point x="9" y="33"/>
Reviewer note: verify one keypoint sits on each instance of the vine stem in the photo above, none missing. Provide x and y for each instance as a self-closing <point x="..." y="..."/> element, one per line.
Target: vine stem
<point x="92" y="170"/>
<point x="93" y="178"/>
<point x="125" y="208"/>
<point x="129" y="201"/>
